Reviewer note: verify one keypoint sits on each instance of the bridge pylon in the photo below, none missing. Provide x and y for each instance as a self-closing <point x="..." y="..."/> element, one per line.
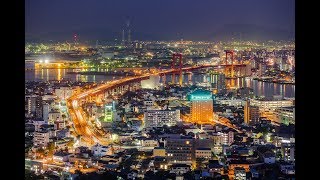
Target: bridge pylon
<point x="176" y="56"/>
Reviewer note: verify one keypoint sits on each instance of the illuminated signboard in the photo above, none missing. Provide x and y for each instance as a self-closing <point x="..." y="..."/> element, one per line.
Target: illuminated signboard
<point x="201" y="95"/>
<point x="206" y="97"/>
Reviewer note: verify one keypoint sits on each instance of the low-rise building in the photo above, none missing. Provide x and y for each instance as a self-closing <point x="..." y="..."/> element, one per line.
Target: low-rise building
<point x="203" y="153"/>
<point x="59" y="124"/>
<point x="180" y="169"/>
<point x="239" y="173"/>
<point x="269" y="158"/>
<point x="150" y="143"/>
<point x="180" y="150"/>
<point x="159" y="118"/>
<point x="99" y="150"/>
<point x="63" y="133"/>
<point x="271" y="105"/>
<point x="38" y="122"/>
<point x="288" y="151"/>
<point x="132" y="175"/>
<point x="222" y="138"/>
<point x="285" y="115"/>
<point x="214" y="167"/>
<point x="287" y="168"/>
<point x="41" y="138"/>
<point x="61" y="156"/>
<point x="159" y="151"/>
<point x="54" y="116"/>
<point x="231" y="102"/>
<point x="148" y="102"/>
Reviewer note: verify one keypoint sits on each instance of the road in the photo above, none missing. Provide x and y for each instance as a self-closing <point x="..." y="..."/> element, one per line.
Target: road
<point x="90" y="134"/>
<point x="226" y="122"/>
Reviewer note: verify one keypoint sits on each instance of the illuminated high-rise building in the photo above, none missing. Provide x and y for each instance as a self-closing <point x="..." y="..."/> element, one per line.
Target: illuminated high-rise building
<point x="217" y="81"/>
<point x="109" y="112"/>
<point x="251" y="113"/>
<point x="201" y="106"/>
<point x="39" y="107"/>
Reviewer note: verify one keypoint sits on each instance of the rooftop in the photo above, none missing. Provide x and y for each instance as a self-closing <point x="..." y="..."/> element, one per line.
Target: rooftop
<point x="180" y="165"/>
<point x="61" y="153"/>
<point x="204" y="149"/>
<point x="200" y="94"/>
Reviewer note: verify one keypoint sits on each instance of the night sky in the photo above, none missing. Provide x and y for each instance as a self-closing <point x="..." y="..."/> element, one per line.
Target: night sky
<point x="160" y="19"/>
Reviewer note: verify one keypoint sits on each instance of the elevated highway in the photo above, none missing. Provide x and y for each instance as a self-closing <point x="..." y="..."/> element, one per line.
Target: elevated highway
<point x="92" y="135"/>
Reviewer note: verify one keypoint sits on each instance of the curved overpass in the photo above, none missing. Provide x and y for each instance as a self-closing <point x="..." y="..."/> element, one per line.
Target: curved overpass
<point x="79" y="118"/>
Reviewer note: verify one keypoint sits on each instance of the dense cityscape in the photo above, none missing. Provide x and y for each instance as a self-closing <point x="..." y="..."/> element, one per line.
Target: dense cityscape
<point x="180" y="109"/>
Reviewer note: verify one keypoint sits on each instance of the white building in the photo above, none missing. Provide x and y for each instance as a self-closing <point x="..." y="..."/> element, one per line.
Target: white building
<point x="266" y="105"/>
<point x="61" y="156"/>
<point x="203" y="153"/>
<point x="99" y="150"/>
<point x="285" y="115"/>
<point x="239" y="173"/>
<point x="31" y="103"/>
<point x="158" y="118"/>
<point x="41" y="138"/>
<point x="65" y="92"/>
<point x="231" y="102"/>
<point x="288" y="151"/>
<point x="180" y="169"/>
<point x="150" y="143"/>
<point x="221" y="138"/>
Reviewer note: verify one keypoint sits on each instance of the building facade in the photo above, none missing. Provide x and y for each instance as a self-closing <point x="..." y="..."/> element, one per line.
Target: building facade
<point x="179" y="150"/>
<point x="41" y="138"/>
<point x="270" y="105"/>
<point x="285" y="115"/>
<point x="251" y="113"/>
<point x="158" y="118"/>
<point x="205" y="153"/>
<point x="201" y="106"/>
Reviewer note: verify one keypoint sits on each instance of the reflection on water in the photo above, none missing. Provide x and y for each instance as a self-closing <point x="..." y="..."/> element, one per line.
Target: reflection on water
<point x="59" y="74"/>
<point x="259" y="88"/>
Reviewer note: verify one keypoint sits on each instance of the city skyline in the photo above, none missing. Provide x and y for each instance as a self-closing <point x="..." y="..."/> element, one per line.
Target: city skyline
<point x="150" y="90"/>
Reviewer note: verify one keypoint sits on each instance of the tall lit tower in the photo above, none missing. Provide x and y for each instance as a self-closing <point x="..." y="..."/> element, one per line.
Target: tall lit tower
<point x="201" y="106"/>
<point x="176" y="56"/>
<point x="75" y="39"/>
<point x="123" y="40"/>
<point x="246" y="110"/>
